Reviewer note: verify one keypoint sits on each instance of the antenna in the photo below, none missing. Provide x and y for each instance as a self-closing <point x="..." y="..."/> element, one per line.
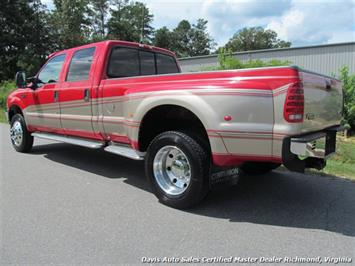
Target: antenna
<point x="142" y="31"/>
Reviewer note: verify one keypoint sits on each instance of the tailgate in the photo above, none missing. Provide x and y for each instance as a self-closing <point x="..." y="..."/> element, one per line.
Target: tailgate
<point x="323" y="101"/>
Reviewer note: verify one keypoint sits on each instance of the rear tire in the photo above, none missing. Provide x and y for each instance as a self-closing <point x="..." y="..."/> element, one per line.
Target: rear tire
<point x="259" y="168"/>
<point x="21" y="139"/>
<point x="178" y="167"/>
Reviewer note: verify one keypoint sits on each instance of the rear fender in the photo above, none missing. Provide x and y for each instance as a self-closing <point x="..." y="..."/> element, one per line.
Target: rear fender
<point x="195" y="104"/>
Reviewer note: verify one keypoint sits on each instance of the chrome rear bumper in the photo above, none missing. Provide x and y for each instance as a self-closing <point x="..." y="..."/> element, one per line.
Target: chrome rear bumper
<point x="318" y="145"/>
<point x="309" y="150"/>
<point x="311" y="146"/>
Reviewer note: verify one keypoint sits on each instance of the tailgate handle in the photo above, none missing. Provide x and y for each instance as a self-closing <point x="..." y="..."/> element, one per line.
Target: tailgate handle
<point x="86" y="95"/>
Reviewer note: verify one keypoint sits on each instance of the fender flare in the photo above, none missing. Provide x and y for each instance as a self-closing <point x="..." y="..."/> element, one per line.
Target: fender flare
<point x="14" y="103"/>
<point x="193" y="103"/>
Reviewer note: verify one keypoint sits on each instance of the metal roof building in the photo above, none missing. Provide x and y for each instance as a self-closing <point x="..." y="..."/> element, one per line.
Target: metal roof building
<point x="326" y="59"/>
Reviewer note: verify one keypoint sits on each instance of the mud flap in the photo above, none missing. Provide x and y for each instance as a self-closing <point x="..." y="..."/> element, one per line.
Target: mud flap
<point x="224" y="176"/>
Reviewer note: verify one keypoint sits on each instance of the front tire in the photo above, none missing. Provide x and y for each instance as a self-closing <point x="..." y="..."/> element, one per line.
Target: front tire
<point x="21" y="139"/>
<point x="178" y="168"/>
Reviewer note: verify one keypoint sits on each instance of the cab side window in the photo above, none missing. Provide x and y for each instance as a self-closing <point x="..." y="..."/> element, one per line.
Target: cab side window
<point x="79" y="69"/>
<point x="131" y="62"/>
<point x="51" y="71"/>
<point x="123" y="62"/>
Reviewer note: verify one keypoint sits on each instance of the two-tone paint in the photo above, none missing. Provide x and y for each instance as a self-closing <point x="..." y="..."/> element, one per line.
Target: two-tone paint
<point x="253" y="99"/>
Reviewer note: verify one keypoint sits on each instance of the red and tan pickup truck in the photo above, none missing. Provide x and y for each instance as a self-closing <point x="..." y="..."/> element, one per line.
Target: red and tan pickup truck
<point x="132" y="100"/>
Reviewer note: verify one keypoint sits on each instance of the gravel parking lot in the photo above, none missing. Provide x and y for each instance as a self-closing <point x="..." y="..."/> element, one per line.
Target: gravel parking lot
<point x="64" y="204"/>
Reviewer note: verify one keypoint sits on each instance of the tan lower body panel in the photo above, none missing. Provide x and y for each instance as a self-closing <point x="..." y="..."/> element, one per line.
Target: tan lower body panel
<point x="250" y="131"/>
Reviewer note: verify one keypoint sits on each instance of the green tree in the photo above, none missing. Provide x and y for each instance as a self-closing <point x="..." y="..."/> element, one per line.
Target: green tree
<point x="255" y="38"/>
<point x="164" y="38"/>
<point x="187" y="39"/>
<point x="348" y="81"/>
<point x="201" y="42"/>
<point x="227" y="61"/>
<point x="131" y="22"/>
<point x="41" y="43"/>
<point x="99" y="12"/>
<point x="24" y="37"/>
<point x="70" y="22"/>
<point x="182" y="38"/>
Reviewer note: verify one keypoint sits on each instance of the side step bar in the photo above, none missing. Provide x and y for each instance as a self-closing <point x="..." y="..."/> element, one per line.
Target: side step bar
<point x="71" y="140"/>
<point x="125" y="151"/>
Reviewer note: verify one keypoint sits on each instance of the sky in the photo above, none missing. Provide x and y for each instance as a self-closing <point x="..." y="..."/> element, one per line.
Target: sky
<point x="302" y="22"/>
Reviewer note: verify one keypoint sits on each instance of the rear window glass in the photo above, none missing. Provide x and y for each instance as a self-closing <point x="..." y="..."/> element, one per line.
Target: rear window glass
<point x="166" y="64"/>
<point x="147" y="60"/>
<point x="124" y="62"/>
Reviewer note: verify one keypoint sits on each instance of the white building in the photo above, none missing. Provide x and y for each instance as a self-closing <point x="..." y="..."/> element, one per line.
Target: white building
<point x="326" y="59"/>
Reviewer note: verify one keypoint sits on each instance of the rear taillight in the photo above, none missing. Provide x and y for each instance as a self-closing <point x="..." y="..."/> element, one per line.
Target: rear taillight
<point x="294" y="103"/>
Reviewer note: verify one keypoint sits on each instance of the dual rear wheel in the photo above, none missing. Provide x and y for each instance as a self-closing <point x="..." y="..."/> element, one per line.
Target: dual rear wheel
<point x="178" y="167"/>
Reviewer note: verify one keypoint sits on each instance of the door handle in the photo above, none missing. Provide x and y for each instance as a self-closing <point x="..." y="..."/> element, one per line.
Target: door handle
<point x="56" y="94"/>
<point x="86" y="95"/>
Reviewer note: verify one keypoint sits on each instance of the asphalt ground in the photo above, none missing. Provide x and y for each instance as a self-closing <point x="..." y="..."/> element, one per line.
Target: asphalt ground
<point x="63" y="204"/>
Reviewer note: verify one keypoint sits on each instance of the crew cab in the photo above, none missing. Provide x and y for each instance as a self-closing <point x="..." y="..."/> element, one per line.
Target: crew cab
<point x="132" y="100"/>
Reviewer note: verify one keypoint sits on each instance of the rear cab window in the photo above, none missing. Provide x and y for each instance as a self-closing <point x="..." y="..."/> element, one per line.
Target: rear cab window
<point x="123" y="62"/>
<point x="147" y="63"/>
<point x="131" y="62"/>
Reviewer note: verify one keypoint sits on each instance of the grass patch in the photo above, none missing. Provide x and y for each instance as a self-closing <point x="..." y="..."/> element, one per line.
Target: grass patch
<point x="343" y="162"/>
<point x="3" y="118"/>
<point x="5" y="88"/>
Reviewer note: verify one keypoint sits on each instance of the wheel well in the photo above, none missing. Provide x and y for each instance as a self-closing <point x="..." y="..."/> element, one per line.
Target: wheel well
<point x="170" y="117"/>
<point x="14" y="110"/>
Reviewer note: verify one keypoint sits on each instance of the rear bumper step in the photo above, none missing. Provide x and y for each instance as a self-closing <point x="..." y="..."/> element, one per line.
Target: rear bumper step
<point x="309" y="150"/>
<point x="316" y="145"/>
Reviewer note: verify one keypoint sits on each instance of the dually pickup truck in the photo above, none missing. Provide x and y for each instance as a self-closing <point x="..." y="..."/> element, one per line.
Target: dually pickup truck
<point x="132" y="100"/>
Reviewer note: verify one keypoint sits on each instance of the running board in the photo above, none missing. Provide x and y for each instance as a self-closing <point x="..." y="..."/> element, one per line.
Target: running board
<point x="71" y="140"/>
<point x="125" y="151"/>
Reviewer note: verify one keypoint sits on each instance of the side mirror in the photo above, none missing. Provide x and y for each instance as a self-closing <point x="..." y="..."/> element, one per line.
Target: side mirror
<point x="20" y="79"/>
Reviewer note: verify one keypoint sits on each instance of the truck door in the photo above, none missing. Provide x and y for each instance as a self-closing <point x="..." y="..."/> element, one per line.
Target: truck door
<point x="76" y="94"/>
<point x="44" y="115"/>
<point x="123" y="62"/>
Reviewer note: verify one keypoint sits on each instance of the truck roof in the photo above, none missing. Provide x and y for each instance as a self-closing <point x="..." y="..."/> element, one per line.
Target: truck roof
<point x="124" y="43"/>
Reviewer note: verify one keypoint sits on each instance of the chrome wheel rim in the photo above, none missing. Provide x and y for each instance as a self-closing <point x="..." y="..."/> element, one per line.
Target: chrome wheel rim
<point x="172" y="170"/>
<point x="16" y="133"/>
